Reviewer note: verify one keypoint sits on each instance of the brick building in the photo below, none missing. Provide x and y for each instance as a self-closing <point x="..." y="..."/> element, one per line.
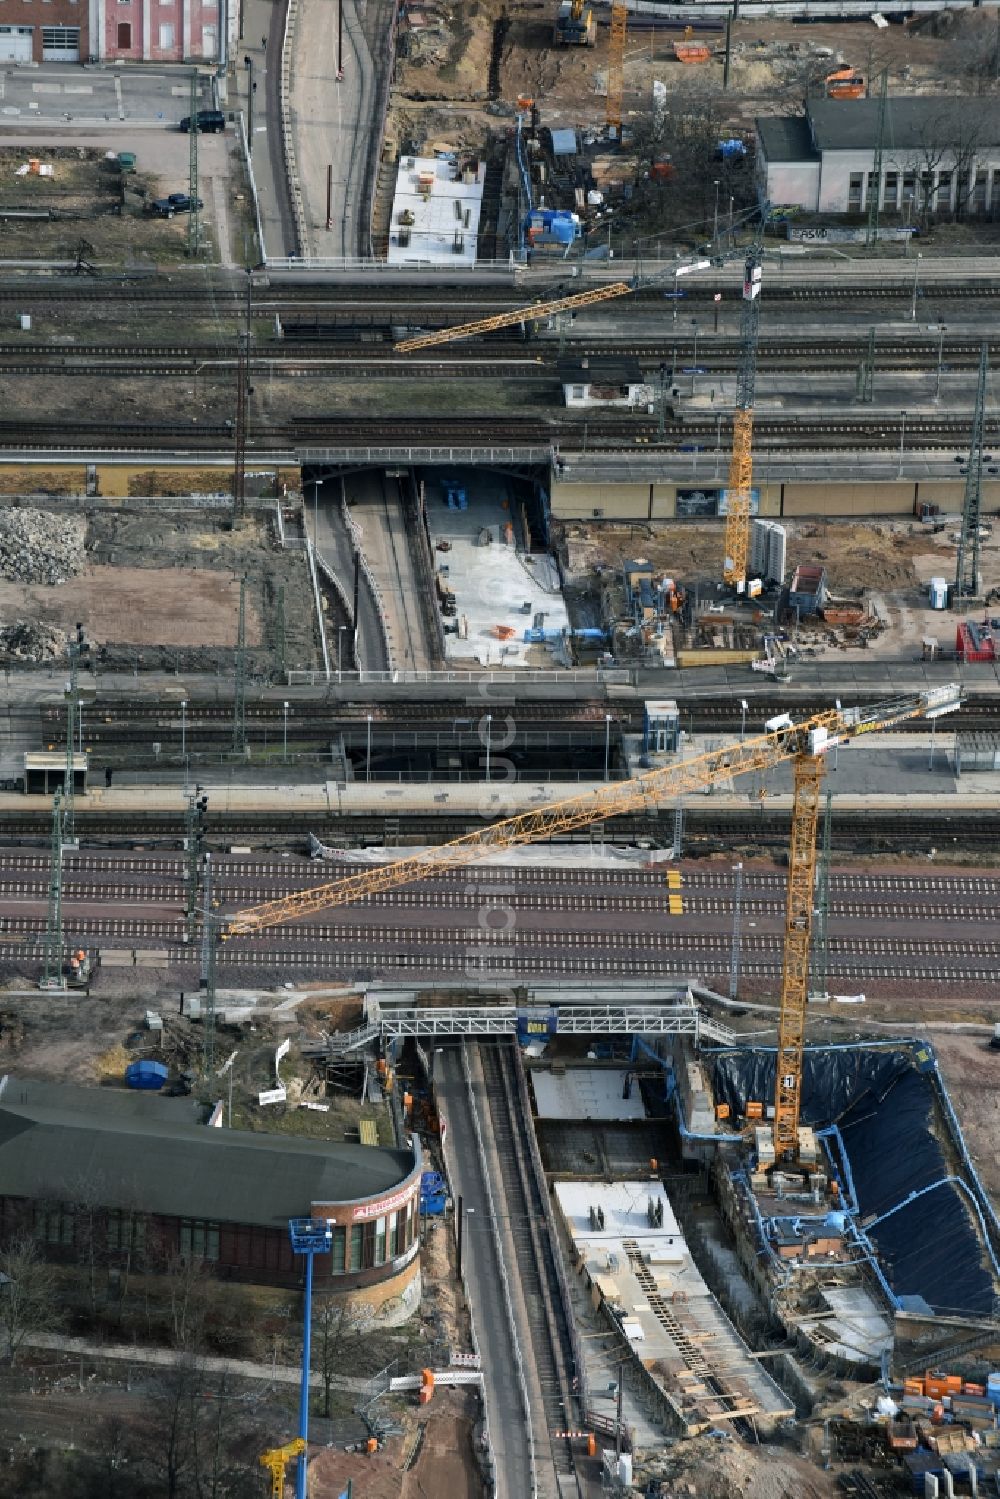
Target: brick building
<point x="112" y="30"/>
<point x="156" y="30"/>
<point x="137" y="1174"/>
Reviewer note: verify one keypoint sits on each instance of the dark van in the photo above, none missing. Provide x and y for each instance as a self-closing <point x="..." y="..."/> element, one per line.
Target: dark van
<point x="209" y="121"/>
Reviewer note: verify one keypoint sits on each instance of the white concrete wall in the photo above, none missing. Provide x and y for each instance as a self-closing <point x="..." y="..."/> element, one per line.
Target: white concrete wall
<point x="793" y="183"/>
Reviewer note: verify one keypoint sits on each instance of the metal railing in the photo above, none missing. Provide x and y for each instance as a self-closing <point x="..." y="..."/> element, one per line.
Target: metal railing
<point x="427" y="268"/>
<point x="248" y="164"/>
<point x="287" y="139"/>
<point x="320" y="622"/>
<point x="597" y="676"/>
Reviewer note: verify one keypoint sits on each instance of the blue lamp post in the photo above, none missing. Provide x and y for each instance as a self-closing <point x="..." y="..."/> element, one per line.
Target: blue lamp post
<point x="310" y="1237"/>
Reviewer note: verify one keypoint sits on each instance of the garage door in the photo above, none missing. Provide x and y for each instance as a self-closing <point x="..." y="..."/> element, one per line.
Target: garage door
<point x="15" y="43"/>
<point x="60" y="44"/>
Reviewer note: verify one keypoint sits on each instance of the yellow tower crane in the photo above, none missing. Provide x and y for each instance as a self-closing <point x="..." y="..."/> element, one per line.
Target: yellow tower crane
<point x="616" y="65"/>
<point x="739" y="492"/>
<point x="804" y="743"/>
<point x="276" y="1459"/>
<point x="512" y="319"/>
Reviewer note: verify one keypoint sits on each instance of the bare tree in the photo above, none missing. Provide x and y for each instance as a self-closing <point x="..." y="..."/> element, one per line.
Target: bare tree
<point x="171" y="1446"/>
<point x="28" y="1297"/>
<point x="338" y="1327"/>
<point x="949" y="142"/>
<point x="187" y="1281"/>
<point x="678" y="165"/>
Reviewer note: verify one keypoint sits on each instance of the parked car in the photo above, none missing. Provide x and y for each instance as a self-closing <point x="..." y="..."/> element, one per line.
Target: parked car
<point x="165" y="208"/>
<point x="209" y="120"/>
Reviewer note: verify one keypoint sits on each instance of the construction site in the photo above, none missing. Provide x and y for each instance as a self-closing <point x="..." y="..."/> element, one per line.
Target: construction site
<point x="500" y="766"/>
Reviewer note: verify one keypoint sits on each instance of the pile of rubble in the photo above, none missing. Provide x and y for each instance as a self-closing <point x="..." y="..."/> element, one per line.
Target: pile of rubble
<point x="29" y="640"/>
<point x="37" y="546"/>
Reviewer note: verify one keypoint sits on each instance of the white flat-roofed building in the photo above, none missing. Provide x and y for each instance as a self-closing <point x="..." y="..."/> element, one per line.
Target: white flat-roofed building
<point x="435" y="211"/>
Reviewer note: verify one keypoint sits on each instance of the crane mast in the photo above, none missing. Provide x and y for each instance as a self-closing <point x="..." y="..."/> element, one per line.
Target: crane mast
<point x="738" y="492"/>
<point x="804" y="743"/>
<point x="799" y="897"/>
<point x="616" y="65"/>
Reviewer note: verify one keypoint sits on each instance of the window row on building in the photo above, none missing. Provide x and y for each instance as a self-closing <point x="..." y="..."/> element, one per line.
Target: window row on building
<point x="357" y="1247"/>
<point x="943" y="191"/>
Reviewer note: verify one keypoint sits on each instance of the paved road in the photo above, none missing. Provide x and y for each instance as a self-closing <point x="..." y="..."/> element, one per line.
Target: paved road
<point x="336" y="547"/>
<point x="508" y="1435"/>
<point x="377" y="511"/>
<point x="331" y="120"/>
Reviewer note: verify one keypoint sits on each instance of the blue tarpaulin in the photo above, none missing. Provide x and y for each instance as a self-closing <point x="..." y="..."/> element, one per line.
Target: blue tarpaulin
<point x="884" y="1106"/>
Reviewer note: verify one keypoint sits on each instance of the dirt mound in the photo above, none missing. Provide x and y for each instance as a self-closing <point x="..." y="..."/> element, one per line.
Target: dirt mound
<point x="725" y="1468"/>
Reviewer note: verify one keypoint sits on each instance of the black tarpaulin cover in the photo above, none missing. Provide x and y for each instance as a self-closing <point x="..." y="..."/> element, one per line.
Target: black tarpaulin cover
<point x="884" y="1108"/>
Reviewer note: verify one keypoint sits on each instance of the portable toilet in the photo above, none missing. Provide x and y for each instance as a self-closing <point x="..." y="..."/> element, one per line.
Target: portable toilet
<point x="938" y="588"/>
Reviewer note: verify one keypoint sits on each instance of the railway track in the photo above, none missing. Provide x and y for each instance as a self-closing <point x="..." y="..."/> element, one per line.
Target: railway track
<point x="706" y="831"/>
<point x="534" y="1250"/>
<point x="876" y="433"/>
<point x="353" y="345"/>
<point x="937" y="930"/>
<point x="109" y="718"/>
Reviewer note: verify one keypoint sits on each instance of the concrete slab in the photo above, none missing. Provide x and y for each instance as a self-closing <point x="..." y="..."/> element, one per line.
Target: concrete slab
<point x="435" y="212"/>
<point x="587" y="1093"/>
<point x="492" y="581"/>
<point x="645" y="1277"/>
<point x="624" y="1207"/>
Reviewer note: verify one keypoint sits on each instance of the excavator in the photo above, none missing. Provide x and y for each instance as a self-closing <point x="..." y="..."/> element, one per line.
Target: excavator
<point x="805" y="743"/>
<point x="574" y="25"/>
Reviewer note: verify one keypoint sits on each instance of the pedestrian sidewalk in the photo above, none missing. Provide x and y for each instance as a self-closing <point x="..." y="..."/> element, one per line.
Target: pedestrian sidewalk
<point x="257" y="70"/>
<point x="167" y="1358"/>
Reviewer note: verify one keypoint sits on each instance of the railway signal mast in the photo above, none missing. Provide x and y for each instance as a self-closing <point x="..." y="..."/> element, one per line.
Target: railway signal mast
<point x="967" y="565"/>
<point x="75" y="651"/>
<point x="804" y="743"/>
<point x="53" y="939"/>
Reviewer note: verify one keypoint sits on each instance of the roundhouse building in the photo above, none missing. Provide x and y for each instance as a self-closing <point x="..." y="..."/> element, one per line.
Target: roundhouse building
<point x="138" y="1173"/>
